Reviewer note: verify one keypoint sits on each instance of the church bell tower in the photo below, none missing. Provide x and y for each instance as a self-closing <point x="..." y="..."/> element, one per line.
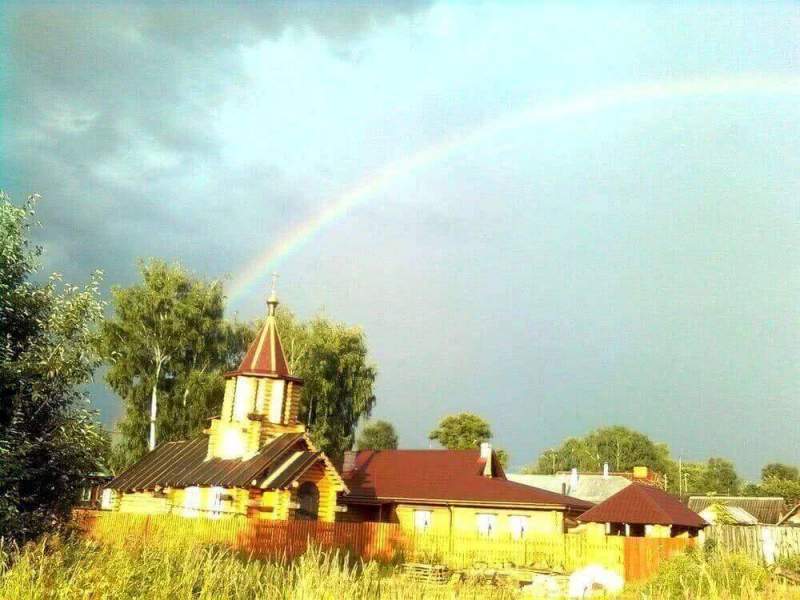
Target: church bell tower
<point x="261" y="396"/>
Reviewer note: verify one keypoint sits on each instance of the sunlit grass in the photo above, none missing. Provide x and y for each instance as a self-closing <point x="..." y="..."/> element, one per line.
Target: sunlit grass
<point x="56" y="569"/>
<point x="715" y="575"/>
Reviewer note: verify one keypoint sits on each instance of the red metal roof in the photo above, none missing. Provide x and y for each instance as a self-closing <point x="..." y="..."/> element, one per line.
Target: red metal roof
<point x="643" y="504"/>
<point x="440" y="476"/>
<point x="265" y="354"/>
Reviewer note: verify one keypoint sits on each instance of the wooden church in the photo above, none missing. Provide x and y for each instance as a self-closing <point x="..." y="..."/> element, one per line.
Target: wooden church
<point x="255" y="459"/>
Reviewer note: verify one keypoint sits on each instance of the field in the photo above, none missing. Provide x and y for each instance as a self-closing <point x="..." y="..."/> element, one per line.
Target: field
<point x="55" y="568"/>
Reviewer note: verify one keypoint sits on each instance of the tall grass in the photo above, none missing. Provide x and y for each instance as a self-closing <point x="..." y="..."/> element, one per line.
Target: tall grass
<point x="714" y="575"/>
<point x="55" y="568"/>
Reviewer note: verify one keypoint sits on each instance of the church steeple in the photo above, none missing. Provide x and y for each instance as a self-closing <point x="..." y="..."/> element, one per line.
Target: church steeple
<point x="264" y="356"/>
<point x="262" y="398"/>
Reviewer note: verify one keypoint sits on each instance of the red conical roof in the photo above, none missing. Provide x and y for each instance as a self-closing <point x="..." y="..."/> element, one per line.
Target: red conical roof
<point x="265" y="355"/>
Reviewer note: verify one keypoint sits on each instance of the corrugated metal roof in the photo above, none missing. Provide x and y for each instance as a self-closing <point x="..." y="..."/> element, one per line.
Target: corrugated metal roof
<point x="767" y="510"/>
<point x="644" y="505"/>
<point x="729" y="515"/>
<point x="441" y="476"/>
<point x="592" y="488"/>
<point x="183" y="464"/>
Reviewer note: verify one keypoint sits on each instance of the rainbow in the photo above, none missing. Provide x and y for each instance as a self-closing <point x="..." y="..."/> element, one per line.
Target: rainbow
<point x="583" y="104"/>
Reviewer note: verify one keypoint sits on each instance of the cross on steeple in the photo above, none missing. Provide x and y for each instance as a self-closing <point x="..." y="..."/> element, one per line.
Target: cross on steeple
<point x="272" y="302"/>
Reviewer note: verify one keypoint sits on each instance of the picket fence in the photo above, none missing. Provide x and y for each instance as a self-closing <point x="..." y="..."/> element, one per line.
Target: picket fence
<point x="764" y="543"/>
<point x="633" y="558"/>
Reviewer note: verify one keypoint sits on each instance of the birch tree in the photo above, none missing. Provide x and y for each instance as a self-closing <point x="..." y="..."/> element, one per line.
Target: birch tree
<point x="166" y="346"/>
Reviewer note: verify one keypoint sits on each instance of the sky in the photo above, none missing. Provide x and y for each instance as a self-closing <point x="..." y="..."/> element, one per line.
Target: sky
<point x="558" y="216"/>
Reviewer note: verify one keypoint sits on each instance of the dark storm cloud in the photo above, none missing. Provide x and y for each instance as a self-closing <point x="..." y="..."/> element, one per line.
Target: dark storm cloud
<point x="113" y="102"/>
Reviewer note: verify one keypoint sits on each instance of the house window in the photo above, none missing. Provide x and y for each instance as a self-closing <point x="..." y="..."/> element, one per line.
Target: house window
<point x="215" y="501"/>
<point x="519" y="525"/>
<point x="191" y="501"/>
<point x="86" y="494"/>
<point x="487" y="524"/>
<point x="422" y="519"/>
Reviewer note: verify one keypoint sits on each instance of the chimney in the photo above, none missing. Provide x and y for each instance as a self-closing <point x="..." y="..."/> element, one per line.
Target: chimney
<point x="573" y="480"/>
<point x="486" y="454"/>
<point x="349" y="462"/>
<point x="605" y="470"/>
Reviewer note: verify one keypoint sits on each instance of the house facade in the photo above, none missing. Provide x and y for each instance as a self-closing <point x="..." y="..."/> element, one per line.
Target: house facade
<point x="450" y="492"/>
<point x="254" y="459"/>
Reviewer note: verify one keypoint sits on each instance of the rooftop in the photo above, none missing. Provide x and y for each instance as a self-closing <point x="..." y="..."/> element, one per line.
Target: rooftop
<point x="592" y="488"/>
<point x="643" y="504"/>
<point x="767" y="510"/>
<point x="441" y="476"/>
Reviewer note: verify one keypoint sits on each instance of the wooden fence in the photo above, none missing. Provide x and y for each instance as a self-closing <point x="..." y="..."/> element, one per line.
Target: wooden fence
<point x="765" y="543"/>
<point x="633" y="558"/>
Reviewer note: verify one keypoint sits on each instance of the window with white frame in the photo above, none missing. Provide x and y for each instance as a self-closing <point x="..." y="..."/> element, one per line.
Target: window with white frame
<point x="487" y="523"/>
<point x="422" y="519"/>
<point x="519" y="525"/>
<point x="86" y="494"/>
<point x="215" y="501"/>
<point x="191" y="501"/>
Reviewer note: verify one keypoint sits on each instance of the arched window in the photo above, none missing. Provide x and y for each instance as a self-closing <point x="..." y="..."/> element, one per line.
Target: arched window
<point x="308" y="500"/>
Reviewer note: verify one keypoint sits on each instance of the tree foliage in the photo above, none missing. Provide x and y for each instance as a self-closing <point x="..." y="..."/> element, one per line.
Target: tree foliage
<point x="779" y="471"/>
<point x="622" y="448"/>
<point x="378" y="435"/>
<point x="787" y="489"/>
<point x="49" y="440"/>
<point x="714" y="476"/>
<point x="332" y="360"/>
<point x="777" y="479"/>
<point x="464" y="431"/>
<point x="167" y="345"/>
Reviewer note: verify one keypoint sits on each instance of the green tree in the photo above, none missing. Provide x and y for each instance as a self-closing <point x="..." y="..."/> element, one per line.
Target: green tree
<point x="464" y="431"/>
<point x="339" y="380"/>
<point x="715" y="476"/>
<point x="379" y="435"/>
<point x="49" y="440"/>
<point x="622" y="448"/>
<point x="785" y="488"/>
<point x="779" y="471"/>
<point x="502" y="456"/>
<point x="167" y="346"/>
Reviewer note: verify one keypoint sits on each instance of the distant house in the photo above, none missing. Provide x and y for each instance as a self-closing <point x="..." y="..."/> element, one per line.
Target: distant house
<point x="767" y="510"/>
<point x="590" y="487"/>
<point x="722" y="514"/>
<point x="642" y="510"/>
<point x="254" y="459"/>
<point x="450" y="491"/>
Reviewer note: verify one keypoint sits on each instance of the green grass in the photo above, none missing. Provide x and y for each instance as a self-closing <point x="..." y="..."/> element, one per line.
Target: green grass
<point x="715" y="575"/>
<point x="57" y="569"/>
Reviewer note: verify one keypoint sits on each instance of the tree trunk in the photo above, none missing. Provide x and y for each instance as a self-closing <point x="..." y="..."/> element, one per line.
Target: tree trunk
<point x="154" y="404"/>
